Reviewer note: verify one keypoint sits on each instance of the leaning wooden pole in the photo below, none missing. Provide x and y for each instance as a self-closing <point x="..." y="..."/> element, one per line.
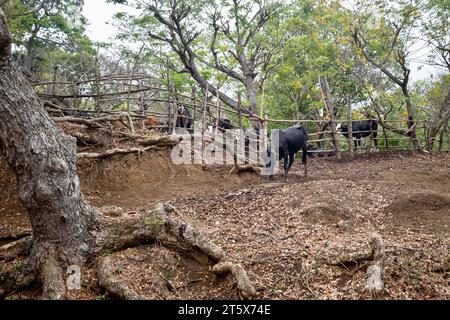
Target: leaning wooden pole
<point x="205" y="106"/>
<point x="55" y="72"/>
<point x="97" y="85"/>
<point x="217" y="112"/>
<point x="330" y="106"/>
<point x="350" y="126"/>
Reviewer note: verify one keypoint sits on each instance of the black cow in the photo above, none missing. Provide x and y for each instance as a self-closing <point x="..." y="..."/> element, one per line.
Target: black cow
<point x="76" y="113"/>
<point x="314" y="152"/>
<point x="225" y="124"/>
<point x="291" y="140"/>
<point x="184" y="118"/>
<point x="362" y="128"/>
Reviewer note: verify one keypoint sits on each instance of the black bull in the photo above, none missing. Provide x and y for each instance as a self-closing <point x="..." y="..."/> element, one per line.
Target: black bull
<point x="361" y="129"/>
<point x="184" y="118"/>
<point x="290" y="141"/>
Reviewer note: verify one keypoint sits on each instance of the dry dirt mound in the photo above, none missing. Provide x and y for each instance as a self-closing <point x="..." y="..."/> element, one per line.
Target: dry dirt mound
<point x="129" y="181"/>
<point x="326" y="213"/>
<point x="429" y="212"/>
<point x="439" y="181"/>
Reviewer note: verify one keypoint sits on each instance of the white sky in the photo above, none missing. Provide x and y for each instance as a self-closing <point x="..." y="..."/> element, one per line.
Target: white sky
<point x="99" y="14"/>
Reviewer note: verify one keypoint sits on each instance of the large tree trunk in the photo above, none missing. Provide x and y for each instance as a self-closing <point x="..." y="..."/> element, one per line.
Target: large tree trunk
<point x="411" y="123"/>
<point x="440" y="122"/>
<point x="44" y="160"/>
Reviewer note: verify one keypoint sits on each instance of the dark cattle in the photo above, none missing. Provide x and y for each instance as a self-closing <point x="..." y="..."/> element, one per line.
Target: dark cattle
<point x="291" y="140"/>
<point x="314" y="152"/>
<point x="361" y="129"/>
<point x="83" y="113"/>
<point x="184" y="118"/>
<point x="223" y="124"/>
<point x="311" y="149"/>
<point x="76" y="113"/>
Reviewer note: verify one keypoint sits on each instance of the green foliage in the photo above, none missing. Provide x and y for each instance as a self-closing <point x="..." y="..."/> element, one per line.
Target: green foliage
<point x="103" y="297"/>
<point x="48" y="36"/>
<point x="18" y="265"/>
<point x="154" y="221"/>
<point x="317" y="45"/>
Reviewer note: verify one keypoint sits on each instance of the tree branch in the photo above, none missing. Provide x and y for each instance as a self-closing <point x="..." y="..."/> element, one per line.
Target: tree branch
<point x="391" y="76"/>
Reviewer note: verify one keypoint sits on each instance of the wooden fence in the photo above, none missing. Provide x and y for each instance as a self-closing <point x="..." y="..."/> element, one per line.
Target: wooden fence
<point x="143" y="97"/>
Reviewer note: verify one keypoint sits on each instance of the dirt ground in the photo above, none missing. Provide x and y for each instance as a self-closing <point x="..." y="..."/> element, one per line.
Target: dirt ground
<point x="282" y="233"/>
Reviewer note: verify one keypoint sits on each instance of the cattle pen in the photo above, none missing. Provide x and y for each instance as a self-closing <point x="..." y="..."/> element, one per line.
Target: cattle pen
<point x="113" y="98"/>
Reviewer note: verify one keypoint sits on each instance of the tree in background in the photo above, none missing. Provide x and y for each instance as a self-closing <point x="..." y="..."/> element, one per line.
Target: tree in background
<point x="209" y="37"/>
<point x="388" y="45"/>
<point x="318" y="44"/>
<point x="49" y="34"/>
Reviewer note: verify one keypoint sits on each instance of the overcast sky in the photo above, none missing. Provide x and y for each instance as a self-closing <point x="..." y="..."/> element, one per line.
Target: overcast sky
<point x="99" y="14"/>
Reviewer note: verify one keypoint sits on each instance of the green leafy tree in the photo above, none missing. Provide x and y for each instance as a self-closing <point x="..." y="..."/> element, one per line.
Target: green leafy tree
<point x="49" y="34"/>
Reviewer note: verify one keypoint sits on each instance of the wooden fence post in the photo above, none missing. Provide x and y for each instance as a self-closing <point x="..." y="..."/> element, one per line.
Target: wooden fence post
<point x="217" y="112"/>
<point x="240" y="112"/>
<point x="175" y="111"/>
<point x="350" y="125"/>
<point x="77" y="102"/>
<point x="194" y="112"/>
<point x="97" y="86"/>
<point x="55" y="70"/>
<point x="205" y="105"/>
<point x="265" y="135"/>
<point x="330" y="105"/>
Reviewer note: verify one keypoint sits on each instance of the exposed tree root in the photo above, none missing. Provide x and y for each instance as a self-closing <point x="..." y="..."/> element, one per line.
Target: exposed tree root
<point x="16" y="236"/>
<point x="353" y="257"/>
<point x="185" y="233"/>
<point x="375" y="272"/>
<point x="244" y="286"/>
<point x="111" y="152"/>
<point x="91" y="123"/>
<point x="158" y="225"/>
<point x="194" y="238"/>
<point x="86" y="139"/>
<point x="158" y="140"/>
<point x="107" y="279"/>
<point x="53" y="286"/>
<point x="16" y="248"/>
<point x="20" y="276"/>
